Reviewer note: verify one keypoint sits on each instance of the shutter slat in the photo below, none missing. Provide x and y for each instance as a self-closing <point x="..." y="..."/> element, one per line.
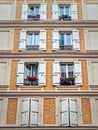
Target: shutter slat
<point x="56" y="73"/>
<point x="78" y="73"/>
<point x="43" y="11"/>
<point x="34" y="112"/>
<point x="22" y="40"/>
<point x="64" y="112"/>
<point x="55" y="11"/>
<point x="75" y="40"/>
<point x="42" y="45"/>
<point x="20" y="73"/>
<point x="42" y="73"/>
<point x="25" y="112"/>
<point x="73" y="112"/>
<point x="55" y="40"/>
<point x="74" y="12"/>
<point x="24" y="12"/>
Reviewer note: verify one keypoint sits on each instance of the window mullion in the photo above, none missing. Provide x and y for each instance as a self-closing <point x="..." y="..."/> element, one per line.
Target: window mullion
<point x="66" y="71"/>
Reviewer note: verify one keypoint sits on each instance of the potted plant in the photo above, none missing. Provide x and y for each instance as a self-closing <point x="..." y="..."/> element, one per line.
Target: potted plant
<point x="67" y="81"/>
<point x="33" y="78"/>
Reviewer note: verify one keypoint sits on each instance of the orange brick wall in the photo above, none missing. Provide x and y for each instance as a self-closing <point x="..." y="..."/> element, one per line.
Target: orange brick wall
<point x="11" y="111"/>
<point x="86" y="111"/>
<point x="49" y="111"/>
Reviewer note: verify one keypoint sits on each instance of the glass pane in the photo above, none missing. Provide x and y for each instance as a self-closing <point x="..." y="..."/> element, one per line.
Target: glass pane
<point x="70" y="70"/>
<point x="68" y="39"/>
<point x="35" y="70"/>
<point x="63" y="71"/>
<point x="61" y="11"/>
<point x="67" y="11"/>
<point x="36" y="10"/>
<point x="29" y="39"/>
<point x="31" y="11"/>
<point x="61" y="39"/>
<point x="28" y="71"/>
<point x="36" y="39"/>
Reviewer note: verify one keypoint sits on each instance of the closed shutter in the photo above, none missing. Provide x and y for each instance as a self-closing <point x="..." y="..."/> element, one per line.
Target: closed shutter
<point x="22" y="40"/>
<point x="25" y="112"/>
<point x="20" y="73"/>
<point x="73" y="112"/>
<point x="56" y="73"/>
<point x="75" y="40"/>
<point x="55" y="11"/>
<point x="24" y="12"/>
<point x="34" y="112"/>
<point x="43" y="11"/>
<point x="64" y="112"/>
<point x="74" y="12"/>
<point x="42" y="73"/>
<point x="55" y="40"/>
<point x="78" y="73"/>
<point x="42" y="45"/>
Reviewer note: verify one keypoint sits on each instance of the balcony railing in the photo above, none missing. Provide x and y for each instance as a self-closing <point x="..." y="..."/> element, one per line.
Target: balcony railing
<point x="67" y="81"/>
<point x="32" y="47"/>
<point x="28" y="82"/>
<point x="66" y="47"/>
<point x="64" y="17"/>
<point x="34" y="17"/>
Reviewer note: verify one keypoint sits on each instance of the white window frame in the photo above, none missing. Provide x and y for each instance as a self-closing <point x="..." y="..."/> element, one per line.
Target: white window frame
<point x="64" y="6"/>
<point x="35" y="5"/>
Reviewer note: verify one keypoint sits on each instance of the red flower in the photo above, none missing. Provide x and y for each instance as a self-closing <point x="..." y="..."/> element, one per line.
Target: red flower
<point x="32" y="78"/>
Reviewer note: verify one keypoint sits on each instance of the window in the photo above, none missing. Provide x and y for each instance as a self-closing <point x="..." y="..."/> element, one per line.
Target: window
<point x="32" y="40"/>
<point x="30" y="112"/>
<point x="68" y="112"/>
<point x="67" y="73"/>
<point x="65" y="41"/>
<point x="64" y="11"/>
<point x="33" y="11"/>
<point x="31" y="73"/>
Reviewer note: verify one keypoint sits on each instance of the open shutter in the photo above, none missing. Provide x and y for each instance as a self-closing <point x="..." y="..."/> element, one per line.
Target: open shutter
<point x="43" y="11"/>
<point x="22" y="40"/>
<point x="74" y="12"/>
<point x="56" y="73"/>
<point x="20" y="73"/>
<point x="78" y="73"/>
<point x="75" y="40"/>
<point x="73" y="112"/>
<point x="34" y="112"/>
<point x="55" y="40"/>
<point x="42" y="45"/>
<point x="42" y="73"/>
<point x="25" y="112"/>
<point x="55" y="11"/>
<point x="64" y="112"/>
<point x="24" y="12"/>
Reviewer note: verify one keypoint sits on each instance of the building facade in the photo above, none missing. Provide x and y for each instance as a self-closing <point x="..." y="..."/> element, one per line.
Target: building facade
<point x="49" y="64"/>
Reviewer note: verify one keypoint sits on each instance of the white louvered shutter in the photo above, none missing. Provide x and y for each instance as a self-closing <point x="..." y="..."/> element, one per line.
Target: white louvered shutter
<point x="64" y="112"/>
<point x="73" y="112"/>
<point x="34" y="112"/>
<point x="22" y="40"/>
<point x="24" y="12"/>
<point x="43" y="11"/>
<point x="76" y="40"/>
<point x="78" y="73"/>
<point x="55" y="11"/>
<point x="20" y="73"/>
<point x="74" y="12"/>
<point x="42" y="45"/>
<point x="55" y="40"/>
<point x="56" y="73"/>
<point x="42" y="73"/>
<point x="25" y="112"/>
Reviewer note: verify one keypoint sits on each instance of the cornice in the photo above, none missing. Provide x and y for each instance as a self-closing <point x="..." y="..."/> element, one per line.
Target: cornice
<point x="63" y="54"/>
<point x="48" y="93"/>
<point x="48" y="23"/>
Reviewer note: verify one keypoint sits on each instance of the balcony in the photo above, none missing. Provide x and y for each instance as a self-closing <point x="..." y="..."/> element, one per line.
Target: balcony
<point x="34" y="17"/>
<point x="67" y="81"/>
<point x="64" y="17"/>
<point x="66" y="47"/>
<point x="32" y="47"/>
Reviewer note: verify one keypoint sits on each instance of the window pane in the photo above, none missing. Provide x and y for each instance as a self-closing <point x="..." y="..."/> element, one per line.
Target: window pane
<point x="29" y="39"/>
<point x="68" y="39"/>
<point x="63" y="71"/>
<point x="36" y="10"/>
<point x="36" y="39"/>
<point x="61" y="11"/>
<point x="31" y="11"/>
<point x="35" y="70"/>
<point x="28" y="71"/>
<point x="67" y="11"/>
<point x="61" y="39"/>
<point x="70" y="70"/>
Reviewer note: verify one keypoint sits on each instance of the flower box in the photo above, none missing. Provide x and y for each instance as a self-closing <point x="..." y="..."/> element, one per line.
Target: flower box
<point x="32" y="79"/>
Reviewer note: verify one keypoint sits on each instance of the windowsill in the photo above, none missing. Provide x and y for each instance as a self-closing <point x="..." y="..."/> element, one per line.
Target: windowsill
<point x="32" y="51"/>
<point x="5" y="51"/>
<point x="4" y="86"/>
<point x="63" y="51"/>
<point x="35" y="87"/>
<point x="68" y="87"/>
<point x="91" y="51"/>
